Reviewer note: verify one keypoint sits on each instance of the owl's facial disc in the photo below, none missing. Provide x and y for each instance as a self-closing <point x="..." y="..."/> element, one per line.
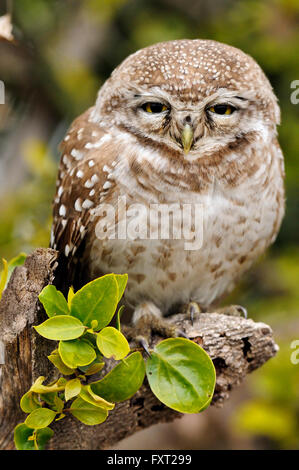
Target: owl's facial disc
<point x="188" y="127"/>
<point x="195" y="128"/>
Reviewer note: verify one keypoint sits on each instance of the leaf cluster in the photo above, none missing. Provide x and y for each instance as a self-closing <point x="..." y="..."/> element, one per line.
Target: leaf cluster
<point x="179" y="372"/>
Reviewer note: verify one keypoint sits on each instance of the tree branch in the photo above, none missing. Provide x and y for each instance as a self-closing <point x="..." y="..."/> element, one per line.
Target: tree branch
<point x="237" y="346"/>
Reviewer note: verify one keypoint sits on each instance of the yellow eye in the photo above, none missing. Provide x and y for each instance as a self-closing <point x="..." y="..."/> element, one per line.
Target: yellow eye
<point x="222" y="109"/>
<point x="154" y="107"/>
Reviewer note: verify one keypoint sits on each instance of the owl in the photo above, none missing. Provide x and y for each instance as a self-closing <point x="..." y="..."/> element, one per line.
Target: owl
<point x="186" y="125"/>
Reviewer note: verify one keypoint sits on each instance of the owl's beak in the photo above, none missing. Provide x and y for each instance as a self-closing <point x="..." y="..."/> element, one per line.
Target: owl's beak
<point x="187" y="138"/>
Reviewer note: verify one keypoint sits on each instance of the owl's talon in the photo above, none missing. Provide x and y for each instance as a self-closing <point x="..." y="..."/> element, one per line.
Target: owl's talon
<point x="146" y="320"/>
<point x="144" y="344"/>
<point x="192" y="309"/>
<point x="233" y="310"/>
<point x="242" y="310"/>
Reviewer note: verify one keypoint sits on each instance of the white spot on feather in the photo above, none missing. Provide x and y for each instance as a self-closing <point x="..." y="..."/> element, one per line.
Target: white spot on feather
<point x="62" y="210"/>
<point x="96" y="145"/>
<point x="107" y="185"/>
<point x="77" y="154"/>
<point x="95" y="178"/>
<point x="87" y="204"/>
<point x="78" y="206"/>
<point x="88" y="184"/>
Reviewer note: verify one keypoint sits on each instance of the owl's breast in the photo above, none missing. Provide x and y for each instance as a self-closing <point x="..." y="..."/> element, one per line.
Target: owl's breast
<point x="195" y="247"/>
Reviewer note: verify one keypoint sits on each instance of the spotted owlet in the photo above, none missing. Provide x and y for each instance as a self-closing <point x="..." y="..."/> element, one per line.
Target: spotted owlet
<point x="181" y="127"/>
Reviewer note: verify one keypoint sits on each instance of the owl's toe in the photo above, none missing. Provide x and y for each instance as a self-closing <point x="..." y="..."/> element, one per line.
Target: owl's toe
<point x="192" y="311"/>
<point x="233" y="310"/>
<point x="148" y="320"/>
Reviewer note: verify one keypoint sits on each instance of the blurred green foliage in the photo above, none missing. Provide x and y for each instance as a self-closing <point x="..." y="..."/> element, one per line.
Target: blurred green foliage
<point x="64" y="77"/>
<point x="25" y="219"/>
<point x="273" y="411"/>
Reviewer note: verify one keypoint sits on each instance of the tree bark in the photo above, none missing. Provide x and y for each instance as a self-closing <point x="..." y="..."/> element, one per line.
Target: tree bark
<point x="237" y="346"/>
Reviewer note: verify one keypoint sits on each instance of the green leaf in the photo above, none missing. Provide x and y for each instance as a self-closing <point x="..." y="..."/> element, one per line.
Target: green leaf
<point x="123" y="381"/>
<point x="94" y="368"/>
<point x="53" y="301"/>
<point x="43" y="436"/>
<point x="96" y="365"/>
<point x="118" y="317"/>
<point x="97" y="300"/>
<point x="58" y="404"/>
<point x="91" y="337"/>
<point x="21" y="435"/>
<point x="49" y="398"/>
<point x="70" y="295"/>
<point x="52" y="399"/>
<point x="122" y="280"/>
<point x="112" y="343"/>
<point x="59" y="364"/>
<point x="76" y="353"/>
<point x="8" y="268"/>
<point x="29" y="402"/>
<point x="57" y="386"/>
<point x="181" y="374"/>
<point x="25" y="440"/>
<point x="72" y="389"/>
<point x="87" y="413"/>
<point x="40" y="418"/>
<point x="88" y="395"/>
<point x="3" y="277"/>
<point x="61" y="327"/>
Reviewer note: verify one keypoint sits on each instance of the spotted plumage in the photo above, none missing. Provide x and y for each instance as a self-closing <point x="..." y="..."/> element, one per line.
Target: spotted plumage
<point x="181" y="122"/>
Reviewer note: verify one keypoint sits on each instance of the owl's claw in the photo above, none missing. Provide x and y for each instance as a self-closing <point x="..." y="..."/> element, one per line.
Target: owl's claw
<point x="243" y="310"/>
<point x="144" y="344"/>
<point x="192" y="310"/>
<point x="233" y="310"/>
<point x="146" y="320"/>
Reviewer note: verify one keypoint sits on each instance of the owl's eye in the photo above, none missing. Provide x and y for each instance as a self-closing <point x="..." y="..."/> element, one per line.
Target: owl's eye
<point x="222" y="109"/>
<point x="154" y="107"/>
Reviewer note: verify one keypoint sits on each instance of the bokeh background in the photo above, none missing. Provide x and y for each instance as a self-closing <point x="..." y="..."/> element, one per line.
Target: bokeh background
<point x="64" y="51"/>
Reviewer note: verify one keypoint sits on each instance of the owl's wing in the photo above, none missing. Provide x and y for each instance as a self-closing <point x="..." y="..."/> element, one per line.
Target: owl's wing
<point x="86" y="154"/>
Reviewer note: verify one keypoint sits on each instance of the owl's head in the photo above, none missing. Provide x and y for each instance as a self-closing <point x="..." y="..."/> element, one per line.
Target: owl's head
<point x="193" y="96"/>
